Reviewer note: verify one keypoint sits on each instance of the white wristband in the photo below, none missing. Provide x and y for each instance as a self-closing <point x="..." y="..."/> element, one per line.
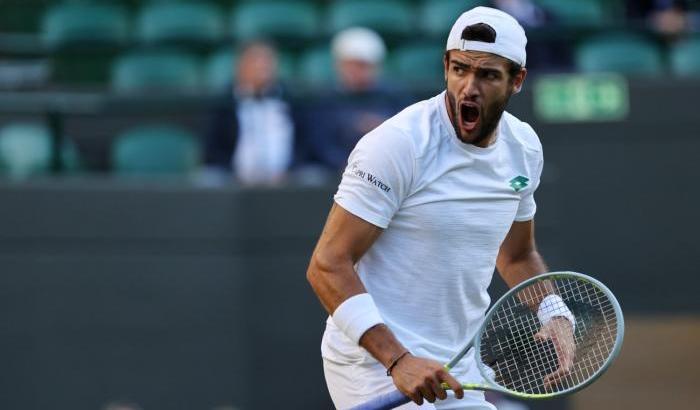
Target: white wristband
<point x="356" y="315"/>
<point x="553" y="306"/>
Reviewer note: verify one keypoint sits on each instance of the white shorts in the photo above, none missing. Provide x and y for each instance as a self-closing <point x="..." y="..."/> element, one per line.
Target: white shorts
<point x="354" y="384"/>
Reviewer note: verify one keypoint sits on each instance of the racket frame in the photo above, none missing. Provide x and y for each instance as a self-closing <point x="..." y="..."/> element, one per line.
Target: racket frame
<point x="476" y="341"/>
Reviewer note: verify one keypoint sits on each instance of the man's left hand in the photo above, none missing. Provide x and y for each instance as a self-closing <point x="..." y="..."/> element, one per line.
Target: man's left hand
<point x="561" y="332"/>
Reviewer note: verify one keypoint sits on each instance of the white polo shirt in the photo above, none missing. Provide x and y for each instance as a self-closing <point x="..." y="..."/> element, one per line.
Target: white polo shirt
<point x="445" y="208"/>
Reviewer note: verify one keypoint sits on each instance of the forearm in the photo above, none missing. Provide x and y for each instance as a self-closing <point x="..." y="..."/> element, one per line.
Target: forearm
<point x="382" y="344"/>
<point x="333" y="286"/>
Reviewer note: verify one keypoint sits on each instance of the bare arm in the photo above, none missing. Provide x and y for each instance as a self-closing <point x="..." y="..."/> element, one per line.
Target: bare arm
<point x="518" y="260"/>
<point x="345" y="238"/>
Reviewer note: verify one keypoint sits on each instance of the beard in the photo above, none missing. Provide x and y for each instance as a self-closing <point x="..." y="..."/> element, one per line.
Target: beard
<point x="488" y="119"/>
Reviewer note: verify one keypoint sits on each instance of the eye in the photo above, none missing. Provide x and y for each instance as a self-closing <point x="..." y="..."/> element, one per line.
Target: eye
<point x="457" y="69"/>
<point x="492" y="75"/>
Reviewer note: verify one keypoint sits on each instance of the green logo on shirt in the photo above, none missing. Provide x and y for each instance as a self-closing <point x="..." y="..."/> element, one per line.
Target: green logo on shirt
<point x="518" y="183"/>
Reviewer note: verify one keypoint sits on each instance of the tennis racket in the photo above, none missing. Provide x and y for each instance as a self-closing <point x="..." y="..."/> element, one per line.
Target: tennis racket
<point x="511" y="359"/>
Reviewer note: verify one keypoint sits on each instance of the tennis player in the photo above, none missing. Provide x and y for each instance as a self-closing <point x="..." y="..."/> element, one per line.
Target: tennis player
<point x="430" y="202"/>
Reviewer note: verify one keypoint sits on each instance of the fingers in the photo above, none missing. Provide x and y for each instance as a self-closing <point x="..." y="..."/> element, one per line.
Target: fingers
<point x="421" y="379"/>
<point x="427" y="392"/>
<point x="437" y="389"/>
<point x="555" y="377"/>
<point x="560" y="332"/>
<point x="456" y="386"/>
<point x="541" y="336"/>
<point x="416" y="396"/>
<point x="565" y="357"/>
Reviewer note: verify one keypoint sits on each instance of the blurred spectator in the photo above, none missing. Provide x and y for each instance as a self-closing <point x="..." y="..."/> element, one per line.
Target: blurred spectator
<point x="543" y="53"/>
<point x="669" y="18"/>
<point x="526" y="12"/>
<point x="358" y="103"/>
<point x="252" y="130"/>
<point x="121" y="405"/>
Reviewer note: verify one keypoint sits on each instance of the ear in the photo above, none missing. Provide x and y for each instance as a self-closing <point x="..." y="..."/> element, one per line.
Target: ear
<point x="518" y="80"/>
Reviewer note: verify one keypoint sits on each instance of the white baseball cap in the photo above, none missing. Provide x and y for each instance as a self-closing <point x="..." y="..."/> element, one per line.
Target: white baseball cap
<point x="358" y="43"/>
<point x="510" y="38"/>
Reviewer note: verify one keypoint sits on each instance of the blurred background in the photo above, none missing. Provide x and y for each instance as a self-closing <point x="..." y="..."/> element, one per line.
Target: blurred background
<point x="166" y="167"/>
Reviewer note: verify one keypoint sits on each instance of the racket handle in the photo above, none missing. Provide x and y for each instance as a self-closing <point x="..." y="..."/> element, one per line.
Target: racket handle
<point x="384" y="402"/>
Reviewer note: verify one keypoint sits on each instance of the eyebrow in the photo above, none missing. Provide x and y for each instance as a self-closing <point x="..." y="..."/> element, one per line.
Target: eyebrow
<point x="466" y="66"/>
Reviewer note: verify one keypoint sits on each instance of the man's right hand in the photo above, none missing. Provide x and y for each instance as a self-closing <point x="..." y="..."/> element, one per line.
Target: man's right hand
<point x="420" y="378"/>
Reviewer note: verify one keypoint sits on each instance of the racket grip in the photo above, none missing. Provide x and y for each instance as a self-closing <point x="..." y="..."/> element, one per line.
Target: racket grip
<point x="384" y="402"/>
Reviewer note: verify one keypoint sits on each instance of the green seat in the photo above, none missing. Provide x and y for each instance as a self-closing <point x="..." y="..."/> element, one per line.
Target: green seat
<point x="83" y="24"/>
<point x="155" y="150"/>
<point x="419" y="66"/>
<point x="156" y="70"/>
<point x="438" y="16"/>
<point x="20" y="16"/>
<point x="625" y="54"/>
<point x="388" y="17"/>
<point x="685" y="57"/>
<point x="25" y="150"/>
<point x="282" y="20"/>
<point x="174" y="21"/>
<point x="316" y="67"/>
<point x="576" y="13"/>
<point x="219" y="69"/>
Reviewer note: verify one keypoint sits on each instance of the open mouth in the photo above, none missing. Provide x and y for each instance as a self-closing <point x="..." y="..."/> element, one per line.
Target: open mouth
<point x="469" y="115"/>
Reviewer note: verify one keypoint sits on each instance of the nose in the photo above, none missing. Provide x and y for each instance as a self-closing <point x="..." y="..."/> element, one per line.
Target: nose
<point x="470" y="88"/>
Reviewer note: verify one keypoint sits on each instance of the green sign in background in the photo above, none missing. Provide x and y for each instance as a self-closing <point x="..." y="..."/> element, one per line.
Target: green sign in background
<point x="581" y="98"/>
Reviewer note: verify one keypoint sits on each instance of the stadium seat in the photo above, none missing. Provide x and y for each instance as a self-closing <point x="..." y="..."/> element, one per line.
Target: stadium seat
<point x="438" y="16"/>
<point x="154" y="150"/>
<point x="316" y="67"/>
<point x="156" y="70"/>
<point x="625" y="54"/>
<point x="576" y="13"/>
<point x="390" y="18"/>
<point x="180" y="21"/>
<point x="21" y="16"/>
<point x="71" y="24"/>
<point x="25" y="150"/>
<point x="219" y="69"/>
<point x="283" y="21"/>
<point x="685" y="57"/>
<point x="418" y="65"/>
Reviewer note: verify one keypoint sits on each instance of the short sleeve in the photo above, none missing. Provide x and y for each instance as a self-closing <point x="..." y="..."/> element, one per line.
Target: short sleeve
<point x="378" y="176"/>
<point x="527" y="206"/>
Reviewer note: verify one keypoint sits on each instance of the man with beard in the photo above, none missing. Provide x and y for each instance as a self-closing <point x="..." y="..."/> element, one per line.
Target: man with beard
<point x="430" y="202"/>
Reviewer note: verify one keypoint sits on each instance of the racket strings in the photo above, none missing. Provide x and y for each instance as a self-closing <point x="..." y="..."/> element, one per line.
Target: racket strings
<point x="520" y="363"/>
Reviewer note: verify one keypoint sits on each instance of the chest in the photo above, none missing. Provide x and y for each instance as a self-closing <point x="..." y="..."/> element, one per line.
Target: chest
<point x="459" y="196"/>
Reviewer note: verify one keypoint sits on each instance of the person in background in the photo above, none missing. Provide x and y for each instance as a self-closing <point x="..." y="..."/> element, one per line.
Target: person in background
<point x="358" y="102"/>
<point x="669" y="18"/>
<point x="528" y="14"/>
<point x="545" y="53"/>
<point x="252" y="130"/>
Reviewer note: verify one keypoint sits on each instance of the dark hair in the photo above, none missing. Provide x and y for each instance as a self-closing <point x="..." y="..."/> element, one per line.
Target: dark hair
<point x="513" y="68"/>
<point x="479" y="32"/>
